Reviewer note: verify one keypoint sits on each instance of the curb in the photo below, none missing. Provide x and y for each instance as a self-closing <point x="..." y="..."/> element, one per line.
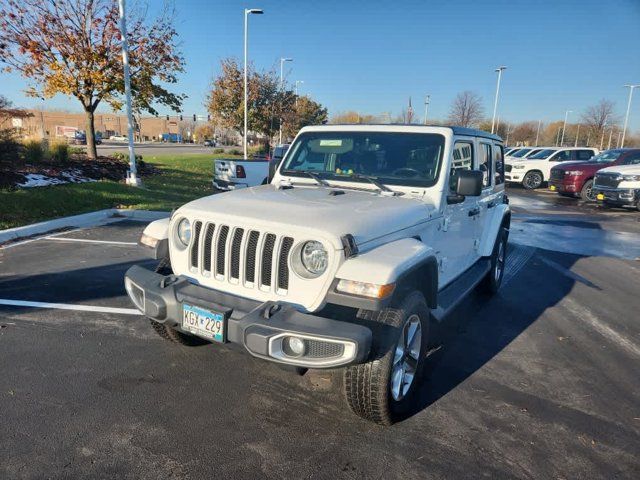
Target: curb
<point x="77" y="221"/>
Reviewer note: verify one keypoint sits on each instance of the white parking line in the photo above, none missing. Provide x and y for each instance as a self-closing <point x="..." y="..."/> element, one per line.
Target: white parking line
<point x="68" y="306"/>
<point x="41" y="237"/>
<point x="87" y="240"/>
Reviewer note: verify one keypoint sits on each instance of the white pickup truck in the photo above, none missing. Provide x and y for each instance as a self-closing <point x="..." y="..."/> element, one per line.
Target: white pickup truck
<point x="231" y="174"/>
<point x="618" y="186"/>
<point x="366" y="236"/>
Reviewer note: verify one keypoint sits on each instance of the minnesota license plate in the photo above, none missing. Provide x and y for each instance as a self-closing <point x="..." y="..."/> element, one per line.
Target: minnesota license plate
<point x="600" y="196"/>
<point x="203" y="322"/>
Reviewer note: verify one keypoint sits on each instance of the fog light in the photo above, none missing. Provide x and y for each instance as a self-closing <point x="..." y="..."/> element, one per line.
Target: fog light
<point x="293" y="346"/>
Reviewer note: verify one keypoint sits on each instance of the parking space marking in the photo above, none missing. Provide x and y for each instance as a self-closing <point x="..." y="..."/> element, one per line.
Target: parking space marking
<point x="68" y="306"/>
<point x="40" y="237"/>
<point x="87" y="240"/>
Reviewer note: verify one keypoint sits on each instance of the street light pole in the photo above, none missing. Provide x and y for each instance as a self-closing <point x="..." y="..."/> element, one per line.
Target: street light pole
<point x="426" y="107"/>
<point x="298" y="82"/>
<point x="564" y="126"/>
<point x="626" y="117"/>
<point x="610" y="134"/>
<point x="538" y="132"/>
<point x="577" y="136"/>
<point x="495" y="103"/>
<point x="282" y="60"/>
<point x="132" y="177"/>
<point x="247" y="12"/>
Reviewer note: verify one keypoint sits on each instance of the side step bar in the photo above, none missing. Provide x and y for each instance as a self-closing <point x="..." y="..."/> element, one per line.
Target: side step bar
<point x="451" y="295"/>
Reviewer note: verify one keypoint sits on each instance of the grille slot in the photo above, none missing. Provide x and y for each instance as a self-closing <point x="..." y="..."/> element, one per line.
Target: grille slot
<point x="250" y="262"/>
<point x="283" y="263"/>
<point x="221" y="250"/>
<point x="195" y="245"/>
<point x="235" y="252"/>
<point x="319" y="349"/>
<point x="507" y="167"/>
<point x="208" y="241"/>
<point x="611" y="180"/>
<point x="267" y="259"/>
<point x="557" y="174"/>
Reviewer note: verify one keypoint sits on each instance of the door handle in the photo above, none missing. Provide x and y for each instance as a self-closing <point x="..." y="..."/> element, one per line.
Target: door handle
<point x="474" y="211"/>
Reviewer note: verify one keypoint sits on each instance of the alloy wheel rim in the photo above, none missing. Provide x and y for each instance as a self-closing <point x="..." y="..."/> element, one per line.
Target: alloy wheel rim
<point x="406" y="358"/>
<point x="534" y="180"/>
<point x="590" y="196"/>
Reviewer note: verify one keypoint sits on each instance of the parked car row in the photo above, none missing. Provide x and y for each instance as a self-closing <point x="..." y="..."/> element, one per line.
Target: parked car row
<point x="611" y="177"/>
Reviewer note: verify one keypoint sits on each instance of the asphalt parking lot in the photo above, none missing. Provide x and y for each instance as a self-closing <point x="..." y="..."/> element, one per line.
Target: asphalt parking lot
<point x="541" y="381"/>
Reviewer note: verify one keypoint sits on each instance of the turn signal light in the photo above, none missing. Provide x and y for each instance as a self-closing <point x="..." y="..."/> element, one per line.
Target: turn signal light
<point x="364" y="289"/>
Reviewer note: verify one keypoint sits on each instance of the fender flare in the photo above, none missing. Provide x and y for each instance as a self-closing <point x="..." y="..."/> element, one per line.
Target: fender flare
<point x="501" y="214"/>
<point x="155" y="238"/>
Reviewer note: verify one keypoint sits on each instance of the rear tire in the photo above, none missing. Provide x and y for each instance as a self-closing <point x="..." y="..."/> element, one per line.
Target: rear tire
<point x="384" y="390"/>
<point x="490" y="284"/>
<point x="532" y="180"/>
<point x="587" y="193"/>
<point x="166" y="332"/>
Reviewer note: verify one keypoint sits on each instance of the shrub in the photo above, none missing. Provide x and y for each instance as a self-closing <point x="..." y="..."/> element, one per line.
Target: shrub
<point x="77" y="151"/>
<point x="59" y="151"/>
<point x="9" y="148"/>
<point x="33" y="151"/>
<point x="218" y="150"/>
<point x="235" y="151"/>
<point x="119" y="156"/>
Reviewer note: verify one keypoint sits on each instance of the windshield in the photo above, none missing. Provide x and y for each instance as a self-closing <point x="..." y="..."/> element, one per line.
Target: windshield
<point x="521" y="153"/>
<point x="541" y="155"/>
<point x="393" y="158"/>
<point x="607" y="157"/>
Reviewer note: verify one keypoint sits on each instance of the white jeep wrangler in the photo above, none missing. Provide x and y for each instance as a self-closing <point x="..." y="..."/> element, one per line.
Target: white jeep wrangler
<point x="366" y="235"/>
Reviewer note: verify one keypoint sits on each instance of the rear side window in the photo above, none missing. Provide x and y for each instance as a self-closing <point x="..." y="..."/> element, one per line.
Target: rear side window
<point x="633" y="159"/>
<point x="484" y="163"/>
<point x="498" y="161"/>
<point x="584" y="154"/>
<point x="462" y="160"/>
<point x="562" y="156"/>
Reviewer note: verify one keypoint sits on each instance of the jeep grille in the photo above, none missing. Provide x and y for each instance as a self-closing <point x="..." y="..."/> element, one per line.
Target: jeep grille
<point x="237" y="255"/>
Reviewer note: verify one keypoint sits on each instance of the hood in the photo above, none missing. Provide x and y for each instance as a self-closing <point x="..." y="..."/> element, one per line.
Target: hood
<point x="586" y="166"/>
<point x="622" y="169"/>
<point x="364" y="214"/>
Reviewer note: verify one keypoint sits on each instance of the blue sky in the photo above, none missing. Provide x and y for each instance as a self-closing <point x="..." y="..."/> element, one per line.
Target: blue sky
<point x="371" y="55"/>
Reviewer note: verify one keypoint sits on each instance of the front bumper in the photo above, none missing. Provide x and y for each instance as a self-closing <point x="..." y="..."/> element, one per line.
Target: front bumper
<point x="563" y="186"/>
<point x="259" y="327"/>
<point x="226" y="185"/>
<point x="617" y="196"/>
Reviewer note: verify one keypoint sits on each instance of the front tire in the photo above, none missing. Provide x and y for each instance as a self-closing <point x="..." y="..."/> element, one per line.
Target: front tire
<point x="587" y="193"/>
<point x="384" y="390"/>
<point x="532" y="180"/>
<point x="171" y="334"/>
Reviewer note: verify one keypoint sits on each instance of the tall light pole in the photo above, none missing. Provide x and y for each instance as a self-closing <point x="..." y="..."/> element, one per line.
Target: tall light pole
<point x="427" y="99"/>
<point x="298" y="82"/>
<point x="618" y="142"/>
<point x="626" y="117"/>
<point x="282" y="60"/>
<point x="604" y="124"/>
<point x="610" y="134"/>
<point x="495" y="103"/>
<point x="577" y="136"/>
<point x="564" y="126"/>
<point x="538" y="132"/>
<point x="247" y="12"/>
<point x="132" y="176"/>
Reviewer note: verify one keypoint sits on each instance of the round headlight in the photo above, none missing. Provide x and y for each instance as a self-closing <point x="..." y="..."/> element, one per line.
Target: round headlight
<point x="184" y="231"/>
<point x="314" y="257"/>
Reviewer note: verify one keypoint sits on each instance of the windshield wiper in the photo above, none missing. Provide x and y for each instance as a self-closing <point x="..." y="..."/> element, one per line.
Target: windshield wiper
<point x="374" y="180"/>
<point x="320" y="181"/>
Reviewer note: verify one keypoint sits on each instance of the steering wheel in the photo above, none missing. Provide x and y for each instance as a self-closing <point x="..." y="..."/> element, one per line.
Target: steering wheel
<point x="406" y="172"/>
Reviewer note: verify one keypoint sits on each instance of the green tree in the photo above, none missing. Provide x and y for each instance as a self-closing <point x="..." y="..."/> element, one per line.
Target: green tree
<point x="73" y="48"/>
<point x="304" y="112"/>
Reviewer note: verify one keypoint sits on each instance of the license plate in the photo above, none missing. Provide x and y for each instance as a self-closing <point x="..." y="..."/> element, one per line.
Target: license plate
<point x="203" y="322"/>
<point x="552" y="188"/>
<point x="600" y="196"/>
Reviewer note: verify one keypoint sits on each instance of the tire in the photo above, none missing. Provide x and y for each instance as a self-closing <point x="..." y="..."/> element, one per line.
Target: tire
<point x="171" y="334"/>
<point x="532" y="180"/>
<point x="490" y="284"/>
<point x="586" y="193"/>
<point x="371" y="389"/>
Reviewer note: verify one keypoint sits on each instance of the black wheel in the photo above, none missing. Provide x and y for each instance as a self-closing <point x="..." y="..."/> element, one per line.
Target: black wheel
<point x="491" y="282"/>
<point x="532" y="180"/>
<point x="384" y="390"/>
<point x="587" y="194"/>
<point x="166" y="332"/>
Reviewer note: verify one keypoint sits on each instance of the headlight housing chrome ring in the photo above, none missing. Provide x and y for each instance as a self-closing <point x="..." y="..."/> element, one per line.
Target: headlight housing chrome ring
<point x="183" y="232"/>
<point x="310" y="259"/>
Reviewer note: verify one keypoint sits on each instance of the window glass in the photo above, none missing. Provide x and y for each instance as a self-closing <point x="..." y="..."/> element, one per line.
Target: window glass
<point x="462" y="160"/>
<point x="562" y="156"/>
<point x="521" y="153"/>
<point x="584" y="154"/>
<point x="607" y="156"/>
<point x="484" y="163"/>
<point x="633" y="159"/>
<point x="498" y="160"/>
<point x="543" y="154"/>
<point x="393" y="158"/>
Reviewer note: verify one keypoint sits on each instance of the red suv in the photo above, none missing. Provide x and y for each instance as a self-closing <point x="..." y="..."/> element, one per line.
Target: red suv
<point x="576" y="178"/>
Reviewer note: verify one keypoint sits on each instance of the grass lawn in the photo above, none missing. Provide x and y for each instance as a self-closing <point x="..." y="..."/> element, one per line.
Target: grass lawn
<point x="183" y="178"/>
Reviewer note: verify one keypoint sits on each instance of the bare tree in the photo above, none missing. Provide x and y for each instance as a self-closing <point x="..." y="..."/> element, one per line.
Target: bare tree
<point x="466" y="109"/>
<point x="596" y="117"/>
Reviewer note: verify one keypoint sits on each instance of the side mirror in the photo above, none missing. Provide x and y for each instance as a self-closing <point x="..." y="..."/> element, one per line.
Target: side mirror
<point x="469" y="183"/>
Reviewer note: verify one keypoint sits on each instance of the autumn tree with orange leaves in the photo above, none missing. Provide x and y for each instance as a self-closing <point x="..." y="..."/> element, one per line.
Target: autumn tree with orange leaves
<point x="73" y="47"/>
